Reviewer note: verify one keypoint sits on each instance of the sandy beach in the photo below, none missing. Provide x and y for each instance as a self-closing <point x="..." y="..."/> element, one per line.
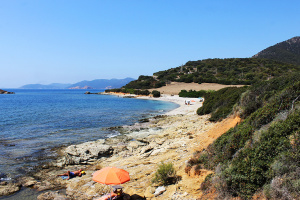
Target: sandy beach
<point x="184" y="109"/>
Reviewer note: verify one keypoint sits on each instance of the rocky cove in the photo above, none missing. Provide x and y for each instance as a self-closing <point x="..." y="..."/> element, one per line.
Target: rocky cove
<point x="170" y="138"/>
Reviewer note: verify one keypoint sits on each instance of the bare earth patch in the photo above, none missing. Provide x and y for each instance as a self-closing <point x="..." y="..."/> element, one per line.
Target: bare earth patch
<point x="175" y="87"/>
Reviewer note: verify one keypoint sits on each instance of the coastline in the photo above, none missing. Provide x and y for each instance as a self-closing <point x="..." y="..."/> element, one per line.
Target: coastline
<point x="182" y="109"/>
<point x="170" y="138"/>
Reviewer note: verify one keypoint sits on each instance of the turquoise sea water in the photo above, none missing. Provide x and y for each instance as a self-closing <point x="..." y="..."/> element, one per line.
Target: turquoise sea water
<point x="35" y="122"/>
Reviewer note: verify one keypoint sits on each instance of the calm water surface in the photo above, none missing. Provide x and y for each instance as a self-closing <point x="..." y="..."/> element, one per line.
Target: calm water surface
<point x="34" y="122"/>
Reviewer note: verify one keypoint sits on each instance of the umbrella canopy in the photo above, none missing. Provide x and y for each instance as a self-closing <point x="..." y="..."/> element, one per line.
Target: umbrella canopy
<point x="111" y="176"/>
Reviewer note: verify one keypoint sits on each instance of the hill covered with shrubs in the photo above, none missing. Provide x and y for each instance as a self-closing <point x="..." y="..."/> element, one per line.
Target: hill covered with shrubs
<point x="261" y="155"/>
<point x="263" y="152"/>
<point x="231" y="71"/>
<point x="287" y="51"/>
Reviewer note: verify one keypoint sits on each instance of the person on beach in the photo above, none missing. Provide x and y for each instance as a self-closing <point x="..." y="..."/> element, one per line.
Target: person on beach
<point x="117" y="194"/>
<point x="73" y="174"/>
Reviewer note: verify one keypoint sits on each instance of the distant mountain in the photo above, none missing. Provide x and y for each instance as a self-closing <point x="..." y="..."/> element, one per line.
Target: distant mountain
<point x="287" y="51"/>
<point x="101" y="84"/>
<point x="50" y="86"/>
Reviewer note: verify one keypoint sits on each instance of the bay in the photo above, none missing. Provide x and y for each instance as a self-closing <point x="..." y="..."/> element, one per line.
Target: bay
<point x="33" y="123"/>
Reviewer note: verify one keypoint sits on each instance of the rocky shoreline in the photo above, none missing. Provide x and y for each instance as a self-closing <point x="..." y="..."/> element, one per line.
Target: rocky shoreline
<point x="170" y="138"/>
<point x="5" y="92"/>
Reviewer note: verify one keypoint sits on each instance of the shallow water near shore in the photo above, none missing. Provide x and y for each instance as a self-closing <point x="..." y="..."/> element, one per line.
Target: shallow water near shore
<point x="24" y="194"/>
<point x="33" y="123"/>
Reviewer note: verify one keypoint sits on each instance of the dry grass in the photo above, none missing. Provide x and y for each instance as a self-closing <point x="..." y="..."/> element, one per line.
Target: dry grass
<point x="175" y="87"/>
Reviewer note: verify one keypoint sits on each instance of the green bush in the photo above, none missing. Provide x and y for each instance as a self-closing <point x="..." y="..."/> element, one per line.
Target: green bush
<point x="131" y="91"/>
<point x="145" y="82"/>
<point x="206" y="184"/>
<point x="155" y="93"/>
<point x="221" y="102"/>
<point x="194" y="93"/>
<point x="165" y="174"/>
<point x="252" y="167"/>
<point x="228" y="71"/>
<point x="271" y="161"/>
<point x="263" y="91"/>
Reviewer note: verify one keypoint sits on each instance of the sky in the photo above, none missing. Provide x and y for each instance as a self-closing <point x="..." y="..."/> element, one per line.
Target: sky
<point x="67" y="41"/>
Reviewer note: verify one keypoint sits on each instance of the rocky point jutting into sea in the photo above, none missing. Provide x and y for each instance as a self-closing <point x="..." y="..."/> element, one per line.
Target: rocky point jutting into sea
<point x="5" y="92"/>
<point x="169" y="138"/>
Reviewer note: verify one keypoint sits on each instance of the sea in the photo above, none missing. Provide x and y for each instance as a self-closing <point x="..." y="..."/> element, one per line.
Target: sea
<point x="34" y="123"/>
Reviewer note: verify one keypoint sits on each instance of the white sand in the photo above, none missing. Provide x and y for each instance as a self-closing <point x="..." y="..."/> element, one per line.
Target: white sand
<point x="182" y="109"/>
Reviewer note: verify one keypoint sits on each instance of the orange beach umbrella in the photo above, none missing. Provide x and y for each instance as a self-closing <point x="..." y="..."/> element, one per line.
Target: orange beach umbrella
<point x="111" y="176"/>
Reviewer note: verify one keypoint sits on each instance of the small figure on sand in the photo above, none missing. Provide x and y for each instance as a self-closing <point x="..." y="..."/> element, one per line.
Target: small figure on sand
<point x="73" y="174"/>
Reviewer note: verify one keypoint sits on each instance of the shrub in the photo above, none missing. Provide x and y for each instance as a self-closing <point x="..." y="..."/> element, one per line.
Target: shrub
<point x="206" y="184"/>
<point x="194" y="93"/>
<point x="165" y="174"/>
<point x="273" y="160"/>
<point x="221" y="102"/>
<point x="155" y="93"/>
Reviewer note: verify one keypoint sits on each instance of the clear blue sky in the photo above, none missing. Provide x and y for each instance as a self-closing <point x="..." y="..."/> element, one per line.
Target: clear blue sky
<point x="66" y="41"/>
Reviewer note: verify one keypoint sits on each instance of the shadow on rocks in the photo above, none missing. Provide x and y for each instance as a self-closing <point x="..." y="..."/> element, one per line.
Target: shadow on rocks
<point x="137" y="197"/>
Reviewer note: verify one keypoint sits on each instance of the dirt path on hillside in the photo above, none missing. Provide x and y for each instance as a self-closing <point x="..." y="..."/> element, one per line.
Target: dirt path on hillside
<point x="219" y="129"/>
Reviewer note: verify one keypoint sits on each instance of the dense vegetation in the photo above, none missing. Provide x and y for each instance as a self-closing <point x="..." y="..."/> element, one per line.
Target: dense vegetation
<point x="286" y="51"/>
<point x="194" y="93"/>
<point x="221" y="102"/>
<point x="145" y="82"/>
<point x="262" y="151"/>
<point x="155" y="93"/>
<point x="224" y="71"/>
<point x="130" y="91"/>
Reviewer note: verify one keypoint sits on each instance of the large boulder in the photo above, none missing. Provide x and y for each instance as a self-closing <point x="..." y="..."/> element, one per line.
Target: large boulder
<point x="87" y="152"/>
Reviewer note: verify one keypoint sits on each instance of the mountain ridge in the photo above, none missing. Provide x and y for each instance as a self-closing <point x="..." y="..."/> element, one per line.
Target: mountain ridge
<point x="48" y="86"/>
<point x="94" y="84"/>
<point x="102" y="83"/>
<point x="287" y="51"/>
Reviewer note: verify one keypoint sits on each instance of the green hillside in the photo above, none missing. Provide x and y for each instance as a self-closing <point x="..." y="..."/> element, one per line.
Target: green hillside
<point x="287" y="51"/>
<point x="224" y="71"/>
<point x="261" y="153"/>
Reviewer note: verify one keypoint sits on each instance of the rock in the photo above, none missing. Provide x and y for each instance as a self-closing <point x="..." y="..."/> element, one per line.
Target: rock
<point x="119" y="147"/>
<point x="3" y="183"/>
<point x="149" y="193"/>
<point x="158" y="151"/>
<point x="45" y="185"/>
<point x="159" y="190"/>
<point x="160" y="141"/>
<point x="132" y="145"/>
<point x="51" y="196"/>
<point x="82" y="153"/>
<point x="28" y="181"/>
<point x="9" y="188"/>
<point x="5" y="92"/>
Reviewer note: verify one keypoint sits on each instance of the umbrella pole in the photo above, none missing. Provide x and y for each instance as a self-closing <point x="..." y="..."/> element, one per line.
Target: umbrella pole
<point x="110" y="192"/>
